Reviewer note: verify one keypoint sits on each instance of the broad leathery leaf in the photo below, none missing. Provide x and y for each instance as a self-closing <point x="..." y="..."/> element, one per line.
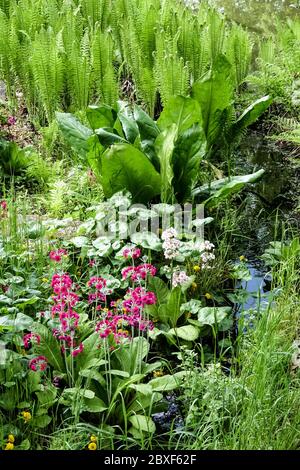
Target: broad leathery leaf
<point x="126" y="167"/>
<point x="214" y="92"/>
<point x="148" y="131"/>
<point x="147" y="240"/>
<point x="215" y="186"/>
<point x="18" y="323"/>
<point x="233" y="186"/>
<point x="250" y="115"/>
<point x="75" y="133"/>
<point x="94" y="405"/>
<point x="143" y="402"/>
<point x="126" y="117"/>
<point x="142" y="423"/>
<point x="108" y="136"/>
<point x="166" y="382"/>
<point x="212" y="315"/>
<point x="190" y="149"/>
<point x="182" y="111"/>
<point x="187" y="332"/>
<point x="101" y="116"/>
<point x="41" y="421"/>
<point x="164" y="147"/>
<point x="47" y="396"/>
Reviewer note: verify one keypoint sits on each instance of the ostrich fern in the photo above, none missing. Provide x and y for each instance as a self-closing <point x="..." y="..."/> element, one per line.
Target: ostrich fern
<point x="47" y="68"/>
<point x="171" y="74"/>
<point x="103" y="77"/>
<point x="239" y="53"/>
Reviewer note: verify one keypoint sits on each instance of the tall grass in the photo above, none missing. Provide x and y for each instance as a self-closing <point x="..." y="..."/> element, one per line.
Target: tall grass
<point x="256" y="406"/>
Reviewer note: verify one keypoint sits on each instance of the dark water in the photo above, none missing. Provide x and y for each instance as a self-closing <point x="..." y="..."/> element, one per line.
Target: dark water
<point x="269" y="208"/>
<point x="271" y="203"/>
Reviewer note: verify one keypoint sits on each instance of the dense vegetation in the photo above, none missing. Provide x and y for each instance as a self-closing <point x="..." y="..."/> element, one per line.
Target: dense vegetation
<point x="120" y="326"/>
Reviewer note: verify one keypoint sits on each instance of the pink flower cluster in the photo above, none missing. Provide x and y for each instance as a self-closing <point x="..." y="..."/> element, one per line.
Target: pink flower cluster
<point x="3" y="205"/>
<point x="57" y="255"/>
<point x="136" y="300"/>
<point x="31" y="338"/>
<point x="64" y="302"/>
<point x="171" y="243"/>
<point x="207" y="255"/>
<point x="133" y="253"/>
<point x="38" y="364"/>
<point x="116" y="324"/>
<point x="137" y="273"/>
<point x="11" y="121"/>
<point x="180" y="278"/>
<point x="100" y="291"/>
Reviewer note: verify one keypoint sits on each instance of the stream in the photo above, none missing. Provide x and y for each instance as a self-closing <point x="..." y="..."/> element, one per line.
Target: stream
<point x="270" y="205"/>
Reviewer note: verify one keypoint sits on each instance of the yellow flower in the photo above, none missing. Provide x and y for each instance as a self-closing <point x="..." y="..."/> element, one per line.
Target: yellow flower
<point x="93" y="438"/>
<point x="197" y="268"/>
<point x="158" y="373"/>
<point x="124" y="310"/>
<point x="208" y="296"/>
<point x="124" y="332"/>
<point x="243" y="258"/>
<point x="92" y="446"/>
<point x="45" y="280"/>
<point x="194" y="285"/>
<point x="27" y="416"/>
<point x="11" y="438"/>
<point x="9" y="446"/>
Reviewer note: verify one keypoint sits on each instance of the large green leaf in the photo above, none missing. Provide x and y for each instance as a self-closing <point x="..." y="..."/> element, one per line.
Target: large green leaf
<point x="94" y="405"/>
<point x="169" y="313"/>
<point x="164" y="147"/>
<point x="18" y="323"/>
<point x="142" y="423"/>
<point x="186" y="332"/>
<point x="214" y="92"/>
<point x="75" y="133"/>
<point x="190" y="148"/>
<point x="166" y="382"/>
<point x="126" y="117"/>
<point x="101" y="116"/>
<point x="182" y="111"/>
<point x="49" y="347"/>
<point x="126" y="167"/>
<point x="213" y="315"/>
<point x="161" y="290"/>
<point x="249" y="116"/>
<point x="148" y="240"/>
<point x="108" y="136"/>
<point x="149" y="131"/>
<point x="233" y="186"/>
<point x="13" y="159"/>
<point x="217" y="190"/>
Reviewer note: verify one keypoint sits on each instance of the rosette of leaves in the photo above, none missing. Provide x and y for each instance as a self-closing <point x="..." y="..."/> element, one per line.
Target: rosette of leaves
<point x="128" y="150"/>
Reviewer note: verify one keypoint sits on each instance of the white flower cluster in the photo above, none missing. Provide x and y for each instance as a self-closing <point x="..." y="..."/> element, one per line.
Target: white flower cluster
<point x="180" y="278"/>
<point x="171" y="243"/>
<point x="192" y="4"/>
<point x="207" y="253"/>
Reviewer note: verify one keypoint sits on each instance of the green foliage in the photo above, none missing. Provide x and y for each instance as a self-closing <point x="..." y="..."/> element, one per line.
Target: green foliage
<point x="64" y="55"/>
